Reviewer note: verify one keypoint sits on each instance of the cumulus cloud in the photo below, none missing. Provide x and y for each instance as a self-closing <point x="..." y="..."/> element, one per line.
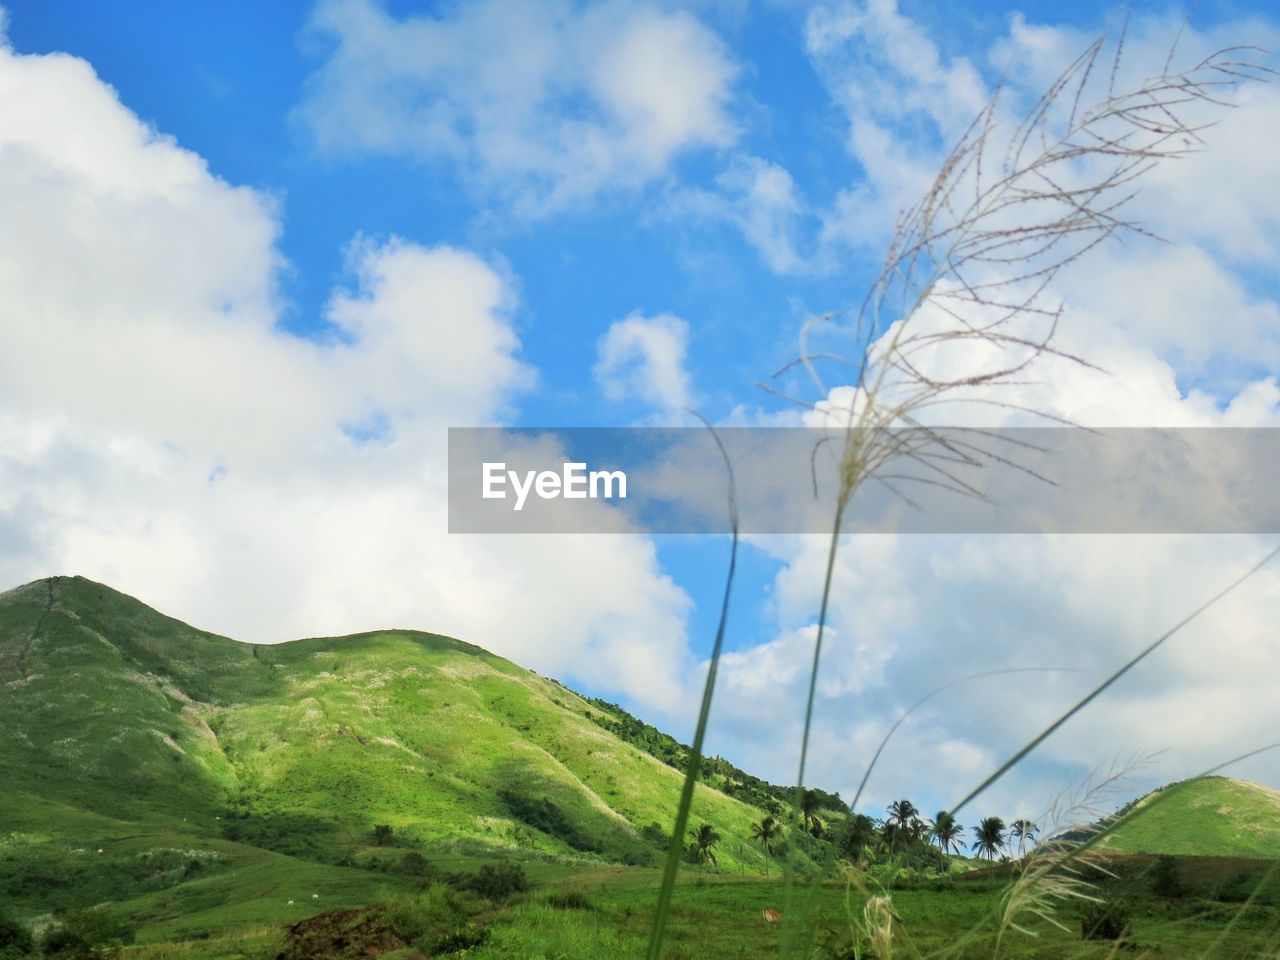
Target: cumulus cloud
<point x="643" y="358"/>
<point x="762" y="201"/>
<point x="161" y="433"/>
<point x="1184" y="334"/>
<point x="542" y="105"/>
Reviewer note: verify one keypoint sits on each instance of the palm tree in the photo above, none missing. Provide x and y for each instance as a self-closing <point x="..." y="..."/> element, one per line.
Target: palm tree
<point x="1024" y="831"/>
<point x="767" y="831"/>
<point x="809" y="804"/>
<point x="701" y="842"/>
<point x="899" y="823"/>
<point x="901" y="812"/>
<point x="916" y="828"/>
<point x="947" y="833"/>
<point x="990" y="834"/>
<point x="859" y="833"/>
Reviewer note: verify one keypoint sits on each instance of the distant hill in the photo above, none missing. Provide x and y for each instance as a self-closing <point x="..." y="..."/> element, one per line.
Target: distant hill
<point x="111" y="709"/>
<point x="1208" y="817"/>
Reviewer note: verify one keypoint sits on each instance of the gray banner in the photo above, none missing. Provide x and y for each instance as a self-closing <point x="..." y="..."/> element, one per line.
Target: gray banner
<point x="944" y="480"/>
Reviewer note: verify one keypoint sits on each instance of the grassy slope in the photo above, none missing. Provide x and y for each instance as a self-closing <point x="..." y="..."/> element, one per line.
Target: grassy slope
<point x="1215" y="816"/>
<point x="131" y="736"/>
<point x="429" y="735"/>
<point x="719" y="916"/>
<point x="119" y="711"/>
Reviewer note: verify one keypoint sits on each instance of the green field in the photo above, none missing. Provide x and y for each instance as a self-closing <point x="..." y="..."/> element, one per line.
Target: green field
<point x="1214" y="816"/>
<point x="170" y="793"/>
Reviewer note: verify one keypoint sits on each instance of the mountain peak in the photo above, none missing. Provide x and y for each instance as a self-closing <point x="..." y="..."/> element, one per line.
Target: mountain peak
<point x="68" y="590"/>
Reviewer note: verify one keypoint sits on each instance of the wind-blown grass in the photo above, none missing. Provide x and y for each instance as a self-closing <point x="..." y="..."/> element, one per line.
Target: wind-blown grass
<point x="970" y="271"/>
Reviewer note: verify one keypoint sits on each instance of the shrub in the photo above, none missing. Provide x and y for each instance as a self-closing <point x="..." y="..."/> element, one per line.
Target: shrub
<point x="14" y="938"/>
<point x="656" y="835"/>
<point x="545" y="815"/>
<point x="569" y="900"/>
<point x="299" y="835"/>
<point x="1165" y="879"/>
<point x="82" y="932"/>
<point x="497" y="881"/>
<point x="1109" y="920"/>
<point x="383" y="834"/>
<point x="1239" y="889"/>
<point x="463" y="938"/>
<point x="419" y="919"/>
<point x="414" y="864"/>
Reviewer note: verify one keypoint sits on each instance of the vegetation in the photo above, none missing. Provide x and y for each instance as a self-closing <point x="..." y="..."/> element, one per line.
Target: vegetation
<point x="947" y="833"/>
<point x="79" y="933"/>
<point x="496" y="881"/>
<point x="970" y="271"/>
<point x="714" y="771"/>
<point x="1024" y="831"/>
<point x="989" y="838"/>
<point x="767" y="832"/>
<point x="266" y="836"/>
<point x="1178" y="825"/>
<point x="702" y="845"/>
<point x="1107" y="920"/>
<point x="15" y="940"/>
<point x="309" y="747"/>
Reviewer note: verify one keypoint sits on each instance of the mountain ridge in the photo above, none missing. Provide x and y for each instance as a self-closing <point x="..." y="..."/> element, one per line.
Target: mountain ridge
<point x="122" y="710"/>
<point x="303" y="747"/>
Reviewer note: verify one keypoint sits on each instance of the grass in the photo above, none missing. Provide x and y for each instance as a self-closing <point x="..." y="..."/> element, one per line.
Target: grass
<point x="1215" y="816"/>
<point x="972" y="265"/>
<point x="119" y="712"/>
<point x="216" y="794"/>
<point x="721" y="916"/>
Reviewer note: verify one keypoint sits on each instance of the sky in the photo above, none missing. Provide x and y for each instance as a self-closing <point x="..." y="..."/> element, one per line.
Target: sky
<point x="256" y="259"/>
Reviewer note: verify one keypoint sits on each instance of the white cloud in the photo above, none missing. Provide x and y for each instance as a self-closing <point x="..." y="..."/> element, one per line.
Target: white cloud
<point x="643" y="358"/>
<point x="761" y="200"/>
<point x="543" y="105"/>
<point x="910" y="614"/>
<point x="430" y="322"/>
<point x="160" y="433"/>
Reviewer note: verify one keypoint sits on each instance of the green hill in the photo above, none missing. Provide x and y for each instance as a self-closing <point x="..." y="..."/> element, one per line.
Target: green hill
<point x="211" y="793"/>
<point x="121" y="711"/>
<point x="182" y="754"/>
<point x="1208" y="817"/>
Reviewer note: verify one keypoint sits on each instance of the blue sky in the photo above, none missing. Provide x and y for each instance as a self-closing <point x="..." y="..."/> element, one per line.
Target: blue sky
<point x="651" y="231"/>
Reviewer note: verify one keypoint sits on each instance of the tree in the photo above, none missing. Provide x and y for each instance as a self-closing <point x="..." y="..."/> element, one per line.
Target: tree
<point x="1166" y="880"/>
<point x="382" y="834"/>
<point x="901" y="813"/>
<point x="701" y="844"/>
<point x="1024" y="831"/>
<point x="903" y="823"/>
<point x="809" y="805"/>
<point x="947" y="833"/>
<point x="768" y="831"/>
<point x="859" y="833"/>
<point x="990" y="837"/>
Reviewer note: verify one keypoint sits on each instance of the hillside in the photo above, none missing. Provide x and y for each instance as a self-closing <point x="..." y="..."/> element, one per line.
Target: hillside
<point x="210" y="793"/>
<point x="122" y="721"/>
<point x="1209" y="817"/>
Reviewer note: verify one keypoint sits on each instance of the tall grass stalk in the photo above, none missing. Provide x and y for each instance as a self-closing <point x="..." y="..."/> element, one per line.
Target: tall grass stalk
<point x="972" y="266"/>
<point x="1053" y="873"/>
<point x="1116" y="675"/>
<point x="976" y="259"/>
<point x="675" y="851"/>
